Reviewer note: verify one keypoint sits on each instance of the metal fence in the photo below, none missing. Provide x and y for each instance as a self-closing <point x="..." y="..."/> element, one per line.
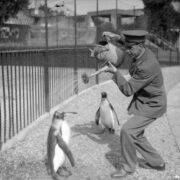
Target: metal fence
<point x="48" y="70"/>
<point x="33" y="82"/>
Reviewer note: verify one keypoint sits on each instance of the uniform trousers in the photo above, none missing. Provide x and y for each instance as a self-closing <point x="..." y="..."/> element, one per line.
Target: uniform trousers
<point x="132" y="139"/>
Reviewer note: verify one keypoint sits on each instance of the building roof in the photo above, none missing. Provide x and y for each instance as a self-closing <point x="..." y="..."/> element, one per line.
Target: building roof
<point x="125" y="13"/>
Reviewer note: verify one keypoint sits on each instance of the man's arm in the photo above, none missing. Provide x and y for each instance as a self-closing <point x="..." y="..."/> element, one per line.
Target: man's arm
<point x="139" y="80"/>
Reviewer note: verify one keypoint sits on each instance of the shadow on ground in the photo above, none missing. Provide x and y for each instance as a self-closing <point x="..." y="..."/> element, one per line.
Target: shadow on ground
<point x="93" y="132"/>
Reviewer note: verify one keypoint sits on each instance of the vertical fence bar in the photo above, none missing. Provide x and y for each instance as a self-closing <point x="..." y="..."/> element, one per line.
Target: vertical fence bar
<point x="35" y="85"/>
<point x="27" y="90"/>
<point x="116" y="14"/>
<point x="58" y="77"/>
<point x="54" y="84"/>
<point x="32" y="81"/>
<point x="23" y="88"/>
<point x="12" y="94"/>
<point x="41" y="93"/>
<point x="9" y="97"/>
<point x="97" y="33"/>
<point x="56" y="80"/>
<point x="53" y="72"/>
<point x="46" y="83"/>
<point x="50" y="86"/>
<point x="19" y="99"/>
<point x="1" y="142"/>
<point x="75" y="52"/>
<point x="4" y="96"/>
<point x="1" y="128"/>
<point x="30" y="86"/>
<point x="38" y="85"/>
<point x="64" y="83"/>
<point x="51" y="83"/>
<point x="46" y="73"/>
<point x="43" y="82"/>
<point x="0" y="107"/>
<point x="16" y="94"/>
<point x="24" y="57"/>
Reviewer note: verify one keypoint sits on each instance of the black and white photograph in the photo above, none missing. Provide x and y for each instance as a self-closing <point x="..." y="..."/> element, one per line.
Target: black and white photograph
<point x="89" y="89"/>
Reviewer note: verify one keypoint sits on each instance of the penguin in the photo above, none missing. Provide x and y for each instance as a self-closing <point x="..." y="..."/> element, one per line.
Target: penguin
<point x="106" y="114"/>
<point x="57" y="144"/>
<point x="98" y="49"/>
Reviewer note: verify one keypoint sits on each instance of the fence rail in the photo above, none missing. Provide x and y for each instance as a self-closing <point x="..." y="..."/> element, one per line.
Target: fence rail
<point x="34" y="81"/>
<point x="24" y="77"/>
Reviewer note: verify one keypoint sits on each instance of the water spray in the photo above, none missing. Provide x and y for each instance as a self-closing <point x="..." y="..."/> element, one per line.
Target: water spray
<point x="85" y="77"/>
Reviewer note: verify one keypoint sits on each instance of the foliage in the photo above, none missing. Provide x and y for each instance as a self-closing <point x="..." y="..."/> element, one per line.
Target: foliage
<point x="9" y="8"/>
<point x="43" y="8"/>
<point x="162" y="16"/>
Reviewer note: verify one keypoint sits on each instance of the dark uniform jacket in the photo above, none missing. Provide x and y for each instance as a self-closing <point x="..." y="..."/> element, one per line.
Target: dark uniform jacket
<point x="146" y="85"/>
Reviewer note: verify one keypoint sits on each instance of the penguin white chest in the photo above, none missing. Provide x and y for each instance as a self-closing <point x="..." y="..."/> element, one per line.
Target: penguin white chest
<point x="59" y="155"/>
<point x="106" y="115"/>
<point x="59" y="158"/>
<point x="66" y="132"/>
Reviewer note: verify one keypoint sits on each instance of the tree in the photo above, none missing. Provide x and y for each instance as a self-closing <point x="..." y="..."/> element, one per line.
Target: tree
<point x="9" y="8"/>
<point x="162" y="16"/>
<point x="43" y="8"/>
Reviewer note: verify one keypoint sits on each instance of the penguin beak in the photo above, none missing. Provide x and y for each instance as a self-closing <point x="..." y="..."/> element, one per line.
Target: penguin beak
<point x="70" y="112"/>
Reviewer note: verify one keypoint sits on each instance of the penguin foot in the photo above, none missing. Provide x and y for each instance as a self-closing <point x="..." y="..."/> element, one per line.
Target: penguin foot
<point x="45" y="161"/>
<point x="55" y="176"/>
<point x="48" y="170"/>
<point x="63" y="171"/>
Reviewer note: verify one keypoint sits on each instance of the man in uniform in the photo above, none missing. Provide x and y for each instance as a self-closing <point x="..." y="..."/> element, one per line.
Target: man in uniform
<point x="149" y="102"/>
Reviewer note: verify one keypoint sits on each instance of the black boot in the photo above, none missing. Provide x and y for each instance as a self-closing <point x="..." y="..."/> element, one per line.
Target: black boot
<point x="146" y="165"/>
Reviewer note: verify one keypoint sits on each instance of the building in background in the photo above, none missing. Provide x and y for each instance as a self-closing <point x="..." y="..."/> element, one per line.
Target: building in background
<point x="16" y="31"/>
<point x="121" y="19"/>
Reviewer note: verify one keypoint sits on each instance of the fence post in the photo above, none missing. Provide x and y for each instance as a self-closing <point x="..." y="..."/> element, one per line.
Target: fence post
<point x="97" y="33"/>
<point x="46" y="82"/>
<point x="46" y="68"/>
<point x="0" y="127"/>
<point x="75" y="52"/>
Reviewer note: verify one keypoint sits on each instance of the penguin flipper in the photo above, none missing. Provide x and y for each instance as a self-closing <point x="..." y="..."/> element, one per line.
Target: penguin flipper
<point x="66" y="149"/>
<point x="114" y="113"/>
<point x="97" y="116"/>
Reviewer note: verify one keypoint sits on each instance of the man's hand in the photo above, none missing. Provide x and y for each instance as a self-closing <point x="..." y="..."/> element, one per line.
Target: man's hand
<point x="111" y="68"/>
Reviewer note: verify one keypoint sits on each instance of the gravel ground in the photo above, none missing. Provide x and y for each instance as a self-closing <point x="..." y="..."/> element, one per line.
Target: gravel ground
<point x="96" y="155"/>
